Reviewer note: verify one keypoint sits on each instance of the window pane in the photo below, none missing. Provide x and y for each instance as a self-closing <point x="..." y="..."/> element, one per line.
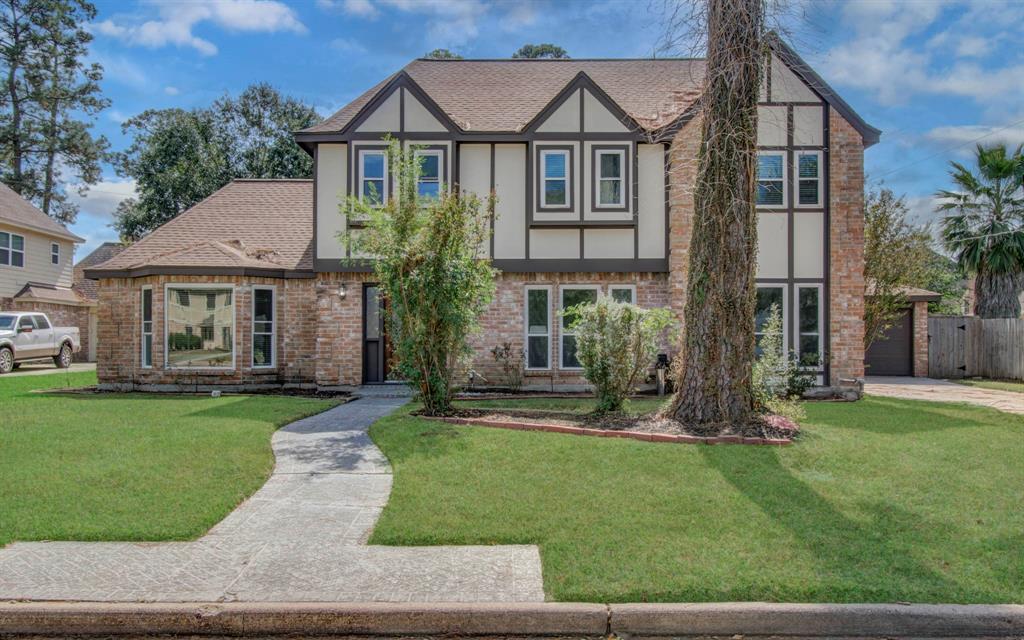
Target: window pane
<point x="373" y="191"/>
<point x="809" y="191"/>
<point x="554" y="192"/>
<point x="569" y="352"/>
<point x="808" y="310"/>
<point x="5" y="240"/>
<point x="809" y="350"/>
<point x="769" y="167"/>
<point x="769" y="192"/>
<point x="429" y="166"/>
<point x="263" y="305"/>
<point x="262" y="349"/>
<point x="554" y="165"/>
<point x="147" y="350"/>
<point x="372" y="318"/>
<point x="808" y="166"/>
<point x="622" y="295"/>
<point x="373" y="165"/>
<point x="611" y="191"/>
<point x="611" y="165"/>
<point x="197" y="335"/>
<point x="573" y="297"/>
<point x="17" y="259"/>
<point x="41" y="322"/>
<point x="428" y="189"/>
<point x="17" y="243"/>
<point x="537" y="356"/>
<point x="5" y="256"/>
<point x="766" y="297"/>
<point x="537" y="311"/>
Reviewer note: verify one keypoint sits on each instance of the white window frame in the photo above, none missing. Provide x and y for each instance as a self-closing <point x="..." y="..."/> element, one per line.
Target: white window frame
<point x="623" y="287"/>
<point x="567" y="178"/>
<point x="546" y="288"/>
<point x="142" y="326"/>
<point x="784" y="309"/>
<point x="54" y="253"/>
<point x="785" y="180"/>
<point x="273" y="327"/>
<point x="621" y="179"/>
<point x="437" y="153"/>
<point x="821" y="184"/>
<point x="561" y="329"/>
<point x="177" y="286"/>
<point x="384" y="195"/>
<point x="11" y="250"/>
<point x="821" y="323"/>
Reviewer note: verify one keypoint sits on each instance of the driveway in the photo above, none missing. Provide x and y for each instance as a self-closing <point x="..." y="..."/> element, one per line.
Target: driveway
<point x="42" y="368"/>
<point x="301" y="537"/>
<point x="943" y="391"/>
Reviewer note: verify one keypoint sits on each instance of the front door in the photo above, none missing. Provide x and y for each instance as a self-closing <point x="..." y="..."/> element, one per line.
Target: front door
<point x="375" y="362"/>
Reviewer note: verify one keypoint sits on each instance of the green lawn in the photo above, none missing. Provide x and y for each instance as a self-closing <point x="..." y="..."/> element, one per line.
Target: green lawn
<point x="882" y="500"/>
<point x="1000" y="385"/>
<point x="130" y="466"/>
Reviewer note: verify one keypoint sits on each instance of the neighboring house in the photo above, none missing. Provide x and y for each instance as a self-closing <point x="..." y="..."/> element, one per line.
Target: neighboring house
<point x="593" y="164"/>
<point x="36" y="258"/>
<point x="89" y="290"/>
<point x="902" y="349"/>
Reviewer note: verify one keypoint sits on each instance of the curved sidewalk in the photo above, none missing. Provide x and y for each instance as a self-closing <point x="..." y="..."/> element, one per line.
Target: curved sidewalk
<point x="301" y="537"/>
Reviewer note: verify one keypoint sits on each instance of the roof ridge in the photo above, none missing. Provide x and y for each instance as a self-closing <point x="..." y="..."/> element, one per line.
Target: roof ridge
<point x="646" y="59"/>
<point x="271" y="180"/>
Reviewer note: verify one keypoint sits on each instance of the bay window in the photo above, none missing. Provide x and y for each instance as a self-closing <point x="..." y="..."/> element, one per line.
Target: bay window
<point x="538" y="327"/>
<point x="771" y="179"/>
<point x="199" y="327"/>
<point x="263" y="322"/>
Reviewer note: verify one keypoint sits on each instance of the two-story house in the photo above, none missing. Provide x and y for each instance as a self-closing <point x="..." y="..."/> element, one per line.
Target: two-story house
<point x="593" y="165"/>
<point x="37" y="256"/>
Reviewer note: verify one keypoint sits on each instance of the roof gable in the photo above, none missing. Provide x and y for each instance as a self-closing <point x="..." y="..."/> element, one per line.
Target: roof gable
<point x="18" y="212"/>
<point x="582" y="106"/>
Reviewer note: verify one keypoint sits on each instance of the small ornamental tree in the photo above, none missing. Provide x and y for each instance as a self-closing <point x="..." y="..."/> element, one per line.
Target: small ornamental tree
<point x="616" y="343"/>
<point x="426" y="259"/>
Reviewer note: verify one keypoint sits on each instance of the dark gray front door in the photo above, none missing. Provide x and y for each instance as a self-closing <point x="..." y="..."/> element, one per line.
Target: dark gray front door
<point x="892" y="354"/>
<point x="374" y="342"/>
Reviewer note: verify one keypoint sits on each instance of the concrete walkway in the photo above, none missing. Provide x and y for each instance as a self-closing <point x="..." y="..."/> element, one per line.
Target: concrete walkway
<point x="301" y="537"/>
<point x="943" y="391"/>
<point x="45" y="367"/>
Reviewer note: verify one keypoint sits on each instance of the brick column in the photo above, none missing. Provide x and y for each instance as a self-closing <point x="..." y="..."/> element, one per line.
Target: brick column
<point x="920" y="320"/>
<point x="846" y="238"/>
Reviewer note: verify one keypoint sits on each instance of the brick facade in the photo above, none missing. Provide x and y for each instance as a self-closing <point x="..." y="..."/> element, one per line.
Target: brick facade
<point x="846" y="250"/>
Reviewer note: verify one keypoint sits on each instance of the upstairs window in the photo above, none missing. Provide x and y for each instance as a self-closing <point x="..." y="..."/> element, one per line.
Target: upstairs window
<point x="54" y="253"/>
<point x="554" y="167"/>
<point x="373" y="172"/>
<point x="428" y="184"/>
<point x="771" y="179"/>
<point x="808" y="178"/>
<point x="611" y="190"/>
<point x="12" y="249"/>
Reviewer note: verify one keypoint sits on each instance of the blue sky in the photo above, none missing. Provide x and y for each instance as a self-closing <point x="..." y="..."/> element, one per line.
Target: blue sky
<point x="934" y="75"/>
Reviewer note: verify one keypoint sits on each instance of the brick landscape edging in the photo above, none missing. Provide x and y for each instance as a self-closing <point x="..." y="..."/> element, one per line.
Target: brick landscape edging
<point x="520" y="619"/>
<point x="611" y="433"/>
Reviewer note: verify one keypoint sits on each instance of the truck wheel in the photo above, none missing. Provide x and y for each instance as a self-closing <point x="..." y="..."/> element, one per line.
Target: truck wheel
<point x="6" y="360"/>
<point x="63" y="358"/>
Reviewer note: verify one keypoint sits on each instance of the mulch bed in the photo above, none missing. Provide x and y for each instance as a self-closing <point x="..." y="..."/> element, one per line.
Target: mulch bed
<point x="771" y="430"/>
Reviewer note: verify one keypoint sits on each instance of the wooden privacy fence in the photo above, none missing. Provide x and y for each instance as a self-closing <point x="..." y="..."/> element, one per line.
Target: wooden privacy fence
<point x="966" y="346"/>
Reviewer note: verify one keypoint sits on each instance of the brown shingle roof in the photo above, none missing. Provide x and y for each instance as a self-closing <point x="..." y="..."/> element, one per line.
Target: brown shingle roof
<point x="246" y="225"/>
<point x="17" y="211"/>
<point x="505" y="95"/>
<point x="50" y="293"/>
<point x="89" y="289"/>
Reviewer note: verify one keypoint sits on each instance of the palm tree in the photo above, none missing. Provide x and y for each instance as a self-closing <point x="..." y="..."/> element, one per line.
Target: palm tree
<point x="984" y="228"/>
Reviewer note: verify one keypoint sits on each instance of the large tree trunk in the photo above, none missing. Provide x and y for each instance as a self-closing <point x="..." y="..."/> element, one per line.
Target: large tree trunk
<point x="714" y="379"/>
<point x="997" y="295"/>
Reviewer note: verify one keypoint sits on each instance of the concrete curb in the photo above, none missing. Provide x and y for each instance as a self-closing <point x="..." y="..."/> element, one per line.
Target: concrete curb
<point x="520" y="619"/>
<point x="825" y="620"/>
<point x="256" y="619"/>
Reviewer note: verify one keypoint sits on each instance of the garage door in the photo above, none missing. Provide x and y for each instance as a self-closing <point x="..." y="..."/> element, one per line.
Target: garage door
<point x="892" y="354"/>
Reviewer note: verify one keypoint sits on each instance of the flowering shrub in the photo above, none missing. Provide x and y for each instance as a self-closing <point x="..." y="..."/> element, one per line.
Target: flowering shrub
<point x="616" y="343"/>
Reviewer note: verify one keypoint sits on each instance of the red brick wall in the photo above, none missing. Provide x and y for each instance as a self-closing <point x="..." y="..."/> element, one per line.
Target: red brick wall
<point x="60" y="315"/>
<point x="846" y="243"/>
<point x="920" y="347"/>
<point x="683" y="176"/>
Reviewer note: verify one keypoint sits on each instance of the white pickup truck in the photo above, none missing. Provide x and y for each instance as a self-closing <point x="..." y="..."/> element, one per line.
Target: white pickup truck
<point x="30" y="336"/>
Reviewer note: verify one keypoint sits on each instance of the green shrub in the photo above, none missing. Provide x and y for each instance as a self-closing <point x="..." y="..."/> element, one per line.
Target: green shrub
<point x="616" y="343"/>
<point x="184" y="342"/>
<point x="779" y="381"/>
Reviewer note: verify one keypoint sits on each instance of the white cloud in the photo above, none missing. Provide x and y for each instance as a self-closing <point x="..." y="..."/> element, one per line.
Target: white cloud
<point x="123" y="71"/>
<point x="967" y="136"/>
<point x="171" y="91"/>
<point x="921" y="209"/>
<point x="116" y="116"/>
<point x="174" y="22"/>
<point x="347" y="45"/>
<point x="449" y="23"/>
<point x="101" y="199"/>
